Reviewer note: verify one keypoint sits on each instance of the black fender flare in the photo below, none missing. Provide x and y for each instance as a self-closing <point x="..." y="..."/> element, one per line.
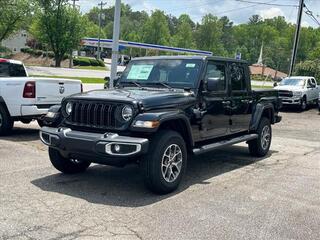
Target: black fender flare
<point x="258" y="112"/>
<point x="165" y="117"/>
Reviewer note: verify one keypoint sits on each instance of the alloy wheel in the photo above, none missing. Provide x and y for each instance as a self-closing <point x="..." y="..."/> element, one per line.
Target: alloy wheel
<point x="265" y="137"/>
<point x="171" y="163"/>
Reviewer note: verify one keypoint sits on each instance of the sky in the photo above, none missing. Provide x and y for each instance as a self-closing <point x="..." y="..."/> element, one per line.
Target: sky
<point x="237" y="11"/>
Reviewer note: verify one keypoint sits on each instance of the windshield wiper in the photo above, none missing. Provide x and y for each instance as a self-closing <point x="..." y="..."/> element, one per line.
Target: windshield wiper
<point x="133" y="82"/>
<point x="160" y="83"/>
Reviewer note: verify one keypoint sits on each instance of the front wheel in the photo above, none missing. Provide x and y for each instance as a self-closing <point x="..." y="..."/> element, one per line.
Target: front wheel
<point x="67" y="165"/>
<point x="303" y="104"/>
<point x="164" y="165"/>
<point x="260" y="147"/>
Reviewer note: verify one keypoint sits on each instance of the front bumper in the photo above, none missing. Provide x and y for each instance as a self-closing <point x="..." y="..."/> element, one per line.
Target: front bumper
<point x="108" y="148"/>
<point x="291" y="101"/>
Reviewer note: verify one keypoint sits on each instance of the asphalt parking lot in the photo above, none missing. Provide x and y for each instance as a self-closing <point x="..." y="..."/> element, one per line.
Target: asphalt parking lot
<point x="225" y="194"/>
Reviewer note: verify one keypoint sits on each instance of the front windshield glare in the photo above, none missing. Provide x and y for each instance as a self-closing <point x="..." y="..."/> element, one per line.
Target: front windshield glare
<point x="292" y="82"/>
<point x="175" y="73"/>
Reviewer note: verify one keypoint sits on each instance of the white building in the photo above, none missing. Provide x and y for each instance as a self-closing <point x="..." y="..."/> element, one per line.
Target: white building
<point x="16" y="41"/>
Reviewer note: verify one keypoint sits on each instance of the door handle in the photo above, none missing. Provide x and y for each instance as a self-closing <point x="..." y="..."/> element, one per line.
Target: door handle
<point x="226" y="103"/>
<point x="246" y="101"/>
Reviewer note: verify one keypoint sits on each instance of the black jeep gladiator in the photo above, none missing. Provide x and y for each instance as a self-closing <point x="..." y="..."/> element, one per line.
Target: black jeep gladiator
<point x="162" y="110"/>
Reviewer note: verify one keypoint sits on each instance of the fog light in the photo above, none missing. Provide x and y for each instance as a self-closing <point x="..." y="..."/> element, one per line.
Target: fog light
<point x="117" y="148"/>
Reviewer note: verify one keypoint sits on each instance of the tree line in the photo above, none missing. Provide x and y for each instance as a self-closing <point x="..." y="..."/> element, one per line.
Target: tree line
<point x="58" y="25"/>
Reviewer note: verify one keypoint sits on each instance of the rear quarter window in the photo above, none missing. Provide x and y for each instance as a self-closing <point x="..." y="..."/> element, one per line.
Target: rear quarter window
<point x="12" y="70"/>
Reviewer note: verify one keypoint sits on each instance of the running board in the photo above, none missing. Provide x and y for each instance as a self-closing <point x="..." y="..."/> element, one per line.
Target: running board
<point x="213" y="146"/>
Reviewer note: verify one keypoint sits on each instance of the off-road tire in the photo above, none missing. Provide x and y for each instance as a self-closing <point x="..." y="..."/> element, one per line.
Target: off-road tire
<point x="6" y="123"/>
<point x="151" y="164"/>
<point x="256" y="146"/>
<point x="66" y="165"/>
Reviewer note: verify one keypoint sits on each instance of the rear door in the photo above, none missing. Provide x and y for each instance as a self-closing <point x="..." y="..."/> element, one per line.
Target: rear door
<point x="52" y="91"/>
<point x="215" y="122"/>
<point x="241" y="96"/>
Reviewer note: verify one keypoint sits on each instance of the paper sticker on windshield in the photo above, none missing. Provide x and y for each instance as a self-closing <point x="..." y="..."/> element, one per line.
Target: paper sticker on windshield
<point x="140" y="72"/>
<point x="190" y="65"/>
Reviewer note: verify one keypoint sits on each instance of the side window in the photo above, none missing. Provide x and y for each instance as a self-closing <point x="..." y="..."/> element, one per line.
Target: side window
<point x="310" y="84"/>
<point x="216" y="74"/>
<point x="314" y="82"/>
<point x="17" y="70"/>
<point x="238" y="78"/>
<point x="4" y="70"/>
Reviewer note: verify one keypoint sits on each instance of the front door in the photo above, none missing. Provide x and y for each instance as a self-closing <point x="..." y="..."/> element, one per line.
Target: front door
<point x="241" y="98"/>
<point x="215" y="121"/>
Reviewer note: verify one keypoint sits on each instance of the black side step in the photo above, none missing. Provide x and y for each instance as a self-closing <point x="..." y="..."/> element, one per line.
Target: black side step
<point x="212" y="146"/>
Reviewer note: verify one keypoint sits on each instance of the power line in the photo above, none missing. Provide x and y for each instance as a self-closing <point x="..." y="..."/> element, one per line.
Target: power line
<point x="310" y="14"/>
<point x="266" y="3"/>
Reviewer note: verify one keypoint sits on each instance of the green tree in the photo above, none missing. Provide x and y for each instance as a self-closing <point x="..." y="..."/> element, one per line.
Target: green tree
<point x="309" y="68"/>
<point x="58" y="25"/>
<point x="156" y="29"/>
<point x="208" y="35"/>
<point x="13" y="15"/>
<point x="184" y="35"/>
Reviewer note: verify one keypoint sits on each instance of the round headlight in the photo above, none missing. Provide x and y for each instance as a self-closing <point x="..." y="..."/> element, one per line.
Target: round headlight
<point x="127" y="113"/>
<point x="69" y="108"/>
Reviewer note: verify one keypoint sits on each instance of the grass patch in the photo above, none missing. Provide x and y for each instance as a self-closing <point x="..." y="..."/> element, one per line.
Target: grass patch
<point x="83" y="79"/>
<point x="92" y="68"/>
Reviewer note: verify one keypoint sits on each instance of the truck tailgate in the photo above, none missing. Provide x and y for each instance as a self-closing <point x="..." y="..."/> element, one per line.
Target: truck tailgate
<point x="52" y="91"/>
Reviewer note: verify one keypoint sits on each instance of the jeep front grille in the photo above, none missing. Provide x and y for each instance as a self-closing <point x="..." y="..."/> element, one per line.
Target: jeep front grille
<point x="96" y="115"/>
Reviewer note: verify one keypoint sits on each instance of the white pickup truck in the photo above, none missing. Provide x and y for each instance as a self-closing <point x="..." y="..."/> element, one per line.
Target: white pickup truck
<point x="24" y="98"/>
<point x="299" y="91"/>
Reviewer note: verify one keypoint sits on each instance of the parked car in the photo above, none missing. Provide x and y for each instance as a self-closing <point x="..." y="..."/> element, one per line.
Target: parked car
<point x="298" y="91"/>
<point x="162" y="110"/>
<point x="24" y="98"/>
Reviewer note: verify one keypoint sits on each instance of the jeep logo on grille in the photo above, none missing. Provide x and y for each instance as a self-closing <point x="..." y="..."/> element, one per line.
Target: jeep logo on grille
<point x="61" y="89"/>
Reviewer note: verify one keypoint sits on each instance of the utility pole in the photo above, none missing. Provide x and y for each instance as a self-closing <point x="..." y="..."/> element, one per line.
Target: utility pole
<point x="115" y="42"/>
<point x="296" y="37"/>
<point x="71" y="57"/>
<point x="99" y="37"/>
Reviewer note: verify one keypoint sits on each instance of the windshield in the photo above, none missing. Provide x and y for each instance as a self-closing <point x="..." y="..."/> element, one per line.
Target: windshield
<point x="12" y="70"/>
<point x="292" y="82"/>
<point x="178" y="73"/>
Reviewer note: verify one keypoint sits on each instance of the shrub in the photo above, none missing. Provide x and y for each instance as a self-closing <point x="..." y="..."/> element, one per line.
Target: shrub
<point x="25" y="50"/>
<point x="75" y="62"/>
<point x="50" y="54"/>
<point x="38" y="53"/>
<point x="101" y="63"/>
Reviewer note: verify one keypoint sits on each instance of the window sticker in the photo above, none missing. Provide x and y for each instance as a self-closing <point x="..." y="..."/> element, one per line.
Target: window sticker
<point x="190" y="65"/>
<point x="140" y="72"/>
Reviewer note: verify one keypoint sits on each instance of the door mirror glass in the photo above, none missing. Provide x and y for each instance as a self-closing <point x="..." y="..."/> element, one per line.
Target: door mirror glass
<point x="213" y="84"/>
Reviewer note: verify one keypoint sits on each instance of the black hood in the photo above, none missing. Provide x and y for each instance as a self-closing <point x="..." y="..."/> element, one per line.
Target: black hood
<point x="150" y="98"/>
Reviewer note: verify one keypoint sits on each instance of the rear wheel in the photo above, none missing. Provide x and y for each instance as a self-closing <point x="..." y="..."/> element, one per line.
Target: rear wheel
<point x="6" y="123"/>
<point x="67" y="165"/>
<point x="260" y="147"/>
<point x="164" y="165"/>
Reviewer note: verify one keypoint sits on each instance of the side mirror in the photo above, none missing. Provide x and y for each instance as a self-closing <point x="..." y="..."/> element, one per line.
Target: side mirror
<point x="213" y="84"/>
<point x="275" y="84"/>
<point x="115" y="82"/>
